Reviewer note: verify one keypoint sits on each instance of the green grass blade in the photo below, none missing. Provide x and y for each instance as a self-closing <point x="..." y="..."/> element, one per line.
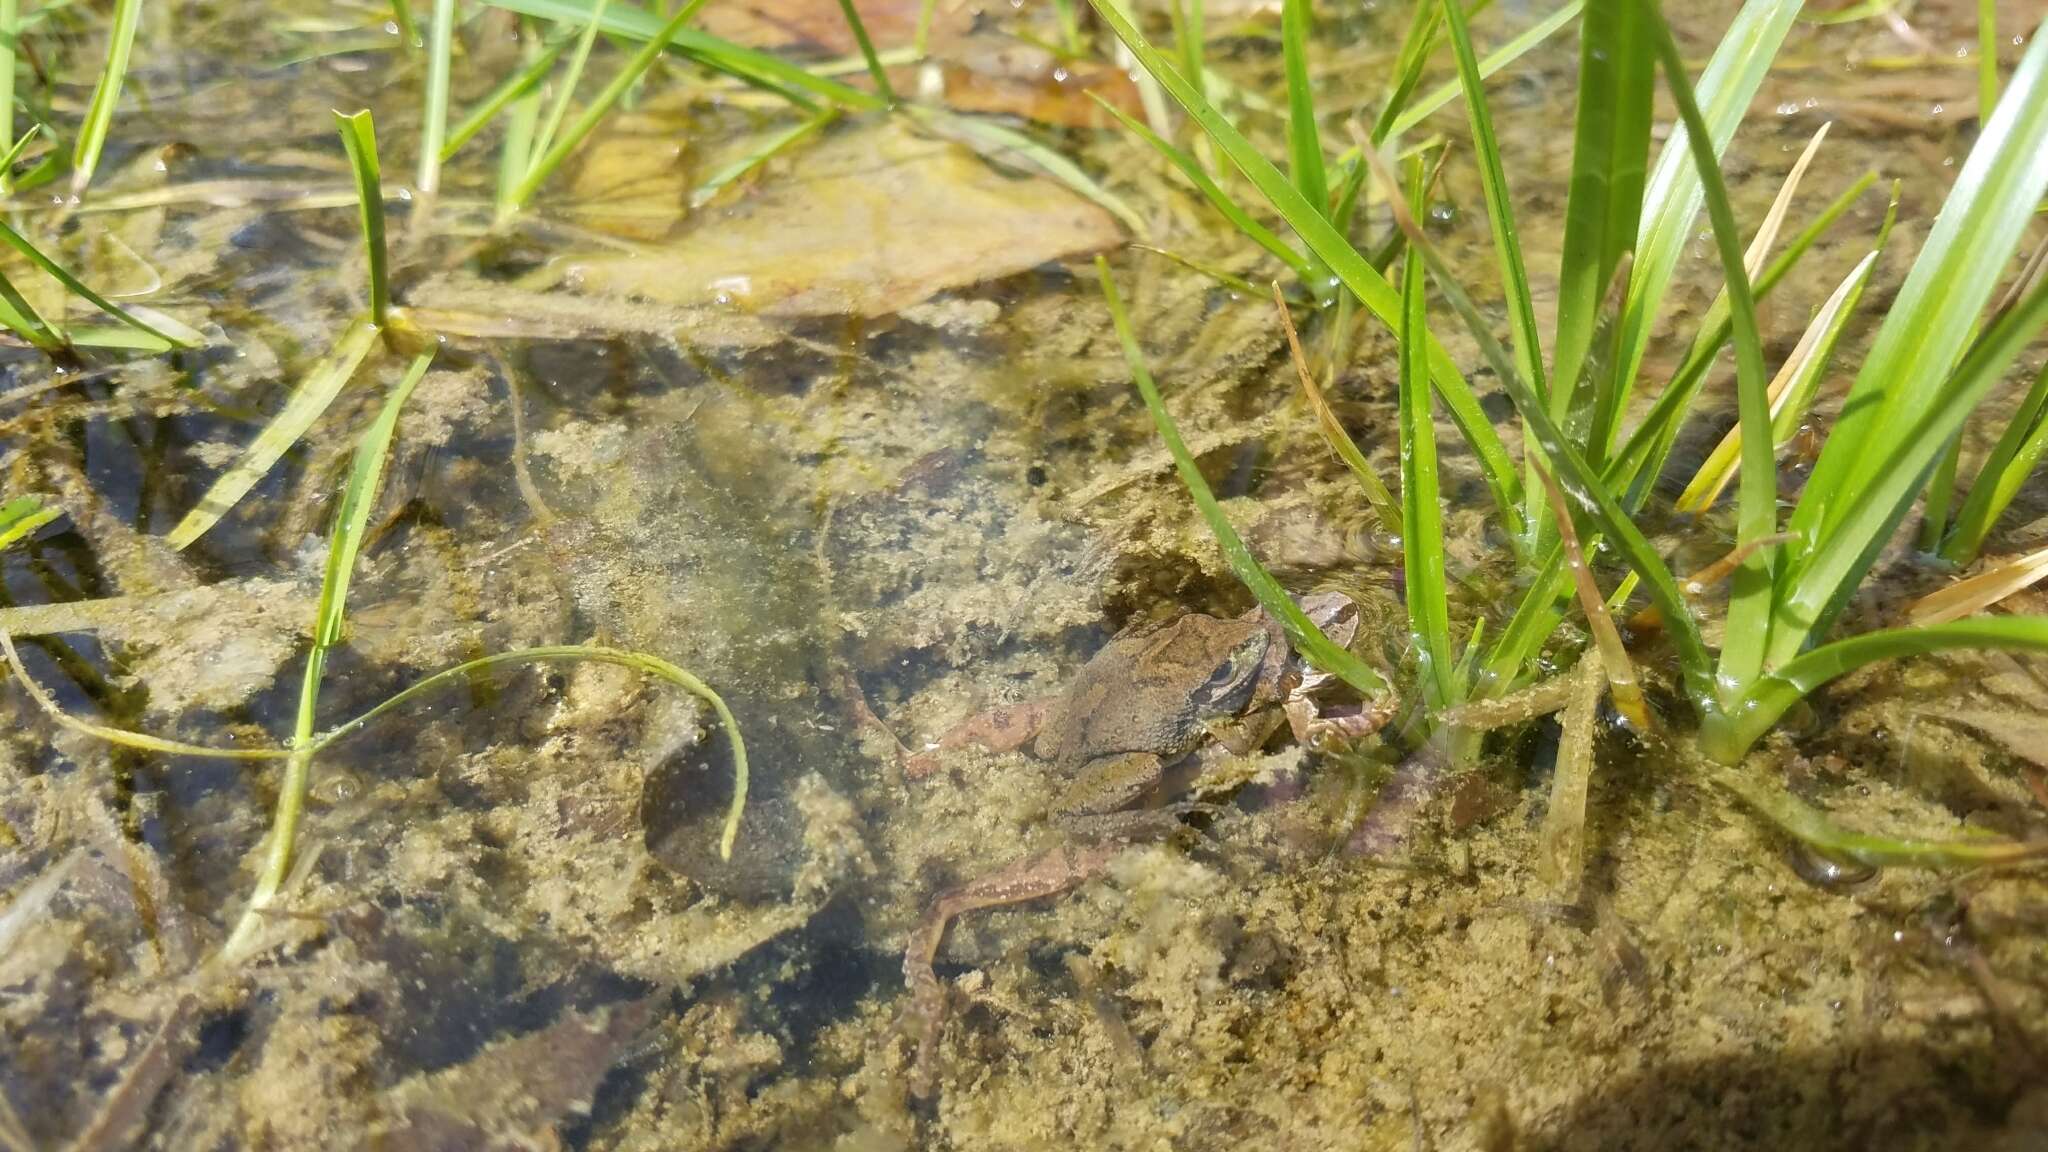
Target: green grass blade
<point x="1610" y="165"/>
<point x="434" y="114"/>
<point x="1777" y="691"/>
<point x="1416" y="44"/>
<point x="571" y="79"/>
<point x="1987" y="58"/>
<point x="713" y="52"/>
<point x="1579" y="480"/>
<point x="526" y="80"/>
<point x="1344" y="261"/>
<point x="1422" y="524"/>
<point x="408" y="28"/>
<point x="1925" y="333"/>
<point x="2011" y="461"/>
<point x="1749" y="604"/>
<point x="1221" y="200"/>
<point x="601" y="104"/>
<point x="359" y="139"/>
<point x="301" y="409"/>
<point x="641" y="662"/>
<point x="21" y="517"/>
<point x="20" y="317"/>
<point x="1493" y="62"/>
<point x="1811" y="827"/>
<point x="1834" y="567"/>
<point x="358" y="500"/>
<point x="1306" y="637"/>
<point x="1673" y="196"/>
<point x="876" y="72"/>
<point x="1304" y="142"/>
<point x="10" y="42"/>
<point x="99" y="115"/>
<point x="72" y="283"/>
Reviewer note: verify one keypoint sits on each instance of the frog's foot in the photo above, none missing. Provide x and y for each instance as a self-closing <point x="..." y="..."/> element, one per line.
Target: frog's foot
<point x="1312" y="729"/>
<point x="1004" y="728"/>
<point x="1046" y="874"/>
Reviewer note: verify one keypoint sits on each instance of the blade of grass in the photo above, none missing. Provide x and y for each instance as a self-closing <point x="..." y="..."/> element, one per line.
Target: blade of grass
<point x="1221" y="200"/>
<point x="1673" y="196"/>
<point x="78" y="287"/>
<point x="99" y="115"/>
<point x="21" y="517"/>
<point x="1422" y="523"/>
<point x="1618" y="670"/>
<point x="1234" y="283"/>
<point x="1987" y="58"/>
<point x="2011" y="461"/>
<point x="1749" y="602"/>
<point x="1575" y="477"/>
<point x="359" y="139"/>
<point x="352" y="520"/>
<point x="1610" y="164"/>
<point x="1493" y="62"/>
<point x="526" y="80"/>
<point x="1561" y="845"/>
<point x="570" y="80"/>
<point x="434" y="114"/>
<point x="10" y="42"/>
<point x="1344" y="261"/>
<point x="1416" y="45"/>
<point x="1376" y="492"/>
<point x="1304" y="142"/>
<point x="876" y="72"/>
<point x="20" y="317"/>
<point x="759" y="68"/>
<point x="1811" y="827"/>
<point x="1971" y="596"/>
<point x="408" y="28"/>
<point x="304" y="406"/>
<point x="1849" y="501"/>
<point x="601" y="104"/>
<point x="1308" y="640"/>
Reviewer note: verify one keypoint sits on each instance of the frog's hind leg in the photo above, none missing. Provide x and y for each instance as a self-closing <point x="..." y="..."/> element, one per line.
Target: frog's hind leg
<point x="1004" y="728"/>
<point x="1046" y="874"/>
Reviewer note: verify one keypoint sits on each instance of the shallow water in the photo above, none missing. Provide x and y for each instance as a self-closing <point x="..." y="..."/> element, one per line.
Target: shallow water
<point x="854" y="443"/>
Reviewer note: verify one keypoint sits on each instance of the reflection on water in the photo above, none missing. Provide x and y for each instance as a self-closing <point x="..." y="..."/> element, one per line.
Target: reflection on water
<point x="852" y="442"/>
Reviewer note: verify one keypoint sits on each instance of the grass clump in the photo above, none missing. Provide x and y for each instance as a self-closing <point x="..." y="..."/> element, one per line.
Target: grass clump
<point x="1582" y="482"/>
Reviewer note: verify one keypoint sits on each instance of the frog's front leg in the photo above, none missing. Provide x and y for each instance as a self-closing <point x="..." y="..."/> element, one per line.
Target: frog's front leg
<point x="1003" y="728"/>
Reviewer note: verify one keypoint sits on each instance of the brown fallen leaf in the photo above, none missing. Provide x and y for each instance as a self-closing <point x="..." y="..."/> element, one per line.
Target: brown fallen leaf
<point x="875" y="219"/>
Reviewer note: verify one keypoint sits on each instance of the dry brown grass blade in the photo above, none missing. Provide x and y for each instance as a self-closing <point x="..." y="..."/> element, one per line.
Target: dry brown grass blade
<point x="1561" y="846"/>
<point x="1970" y="596"/>
<point x="1340" y="442"/>
<point x="1621" y="671"/>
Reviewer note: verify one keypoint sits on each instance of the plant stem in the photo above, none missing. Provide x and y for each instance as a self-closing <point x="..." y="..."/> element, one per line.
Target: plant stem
<point x="434" y="128"/>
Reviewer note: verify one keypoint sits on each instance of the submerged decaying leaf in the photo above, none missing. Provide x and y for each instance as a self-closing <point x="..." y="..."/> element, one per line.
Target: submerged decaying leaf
<point x="877" y="219"/>
<point x="819" y="25"/>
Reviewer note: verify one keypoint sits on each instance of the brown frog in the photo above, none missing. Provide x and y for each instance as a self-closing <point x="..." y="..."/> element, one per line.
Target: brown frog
<point x="1153" y="697"/>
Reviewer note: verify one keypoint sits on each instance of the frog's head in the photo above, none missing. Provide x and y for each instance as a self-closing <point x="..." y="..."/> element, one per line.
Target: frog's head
<point x="1241" y="667"/>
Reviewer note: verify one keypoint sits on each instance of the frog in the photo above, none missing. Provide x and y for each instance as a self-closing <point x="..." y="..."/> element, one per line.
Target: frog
<point x="1155" y="697"/>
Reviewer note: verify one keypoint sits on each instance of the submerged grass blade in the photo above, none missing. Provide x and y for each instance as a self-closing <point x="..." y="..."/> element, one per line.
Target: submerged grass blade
<point x="358" y="499"/>
<point x="21" y="517"/>
<point x="1007" y="144"/>
<point x="1561" y="845"/>
<point x="78" y="287"/>
<point x="1340" y="442"/>
<point x="571" y="79"/>
<point x="305" y="405"/>
<point x="1307" y="638"/>
<point x="1619" y="671"/>
<point x="770" y="148"/>
<point x="99" y="115"/>
<point x="359" y="139"/>
<point x="1811" y="827"/>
